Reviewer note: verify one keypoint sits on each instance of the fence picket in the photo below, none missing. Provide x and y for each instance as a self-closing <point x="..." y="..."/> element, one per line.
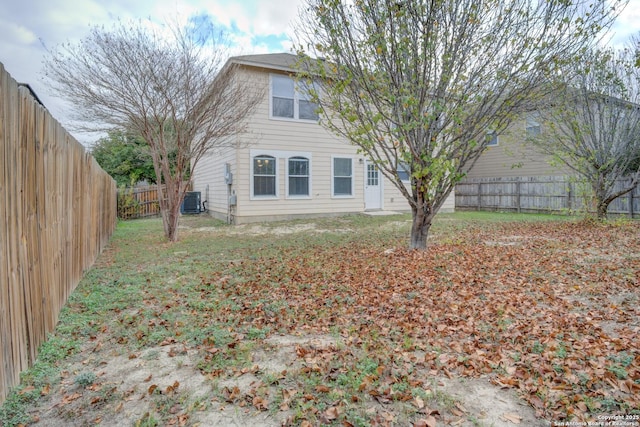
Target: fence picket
<point x="537" y="194"/>
<point x="59" y="210"/>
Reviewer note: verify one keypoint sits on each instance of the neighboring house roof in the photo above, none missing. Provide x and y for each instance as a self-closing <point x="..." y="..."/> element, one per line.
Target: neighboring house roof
<point x="276" y="61"/>
<point x="33" y="93"/>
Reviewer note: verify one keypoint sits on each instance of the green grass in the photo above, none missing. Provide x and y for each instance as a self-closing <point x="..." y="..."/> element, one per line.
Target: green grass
<point x="144" y="290"/>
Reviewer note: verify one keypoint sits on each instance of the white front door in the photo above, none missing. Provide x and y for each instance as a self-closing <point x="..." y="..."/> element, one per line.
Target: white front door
<point x="372" y="187"/>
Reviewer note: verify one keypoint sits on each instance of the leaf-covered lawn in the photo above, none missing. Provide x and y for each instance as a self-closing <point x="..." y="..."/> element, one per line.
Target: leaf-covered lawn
<point x="542" y="306"/>
<point x="549" y="309"/>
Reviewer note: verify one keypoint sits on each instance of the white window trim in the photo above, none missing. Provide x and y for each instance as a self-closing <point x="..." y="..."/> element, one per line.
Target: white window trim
<point x="296" y="103"/>
<point x="279" y="155"/>
<point x="531" y="122"/>
<point x="353" y="174"/>
<point x="277" y="184"/>
<point x="490" y="133"/>
<point x="407" y="171"/>
<point x="296" y="197"/>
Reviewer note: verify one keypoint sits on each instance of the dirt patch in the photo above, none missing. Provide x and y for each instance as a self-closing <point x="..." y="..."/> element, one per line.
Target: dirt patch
<point x="265" y="229"/>
<point x="280" y="230"/>
<point x="165" y="383"/>
<point x="514" y="240"/>
<point x="120" y="390"/>
<point x="483" y="403"/>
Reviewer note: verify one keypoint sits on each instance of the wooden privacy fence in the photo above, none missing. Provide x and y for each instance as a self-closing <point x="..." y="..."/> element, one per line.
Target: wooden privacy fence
<point x="59" y="211"/>
<point x="559" y="194"/>
<point x="138" y="202"/>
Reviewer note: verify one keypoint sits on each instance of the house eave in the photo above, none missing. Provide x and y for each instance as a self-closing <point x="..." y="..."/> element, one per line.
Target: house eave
<point x="262" y="65"/>
<point x="276" y="61"/>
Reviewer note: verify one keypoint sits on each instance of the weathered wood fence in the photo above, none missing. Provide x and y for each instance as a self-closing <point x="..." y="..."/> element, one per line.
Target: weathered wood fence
<point x="59" y="211"/>
<point x="559" y="194"/>
<point x="138" y="202"/>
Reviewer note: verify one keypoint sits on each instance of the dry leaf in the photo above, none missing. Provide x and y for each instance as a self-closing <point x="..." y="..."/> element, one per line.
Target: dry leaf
<point x="514" y="418"/>
<point x="70" y="398"/>
<point x="26" y="390"/>
<point x="418" y="402"/>
<point x="331" y="413"/>
<point x="172" y="388"/>
<point x="462" y="408"/>
<point x="259" y="403"/>
<point x="425" y="422"/>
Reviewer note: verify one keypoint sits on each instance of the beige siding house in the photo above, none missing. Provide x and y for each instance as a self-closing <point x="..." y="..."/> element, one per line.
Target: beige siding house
<point x="509" y="156"/>
<point x="512" y="176"/>
<point x="287" y="165"/>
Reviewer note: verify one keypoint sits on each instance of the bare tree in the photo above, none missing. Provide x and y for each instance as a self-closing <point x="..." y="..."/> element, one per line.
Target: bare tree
<point x="166" y="84"/>
<point x="417" y="84"/>
<point x="593" y="125"/>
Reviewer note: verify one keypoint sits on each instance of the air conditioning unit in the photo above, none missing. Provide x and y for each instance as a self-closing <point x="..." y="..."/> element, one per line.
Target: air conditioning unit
<point x="191" y="203"/>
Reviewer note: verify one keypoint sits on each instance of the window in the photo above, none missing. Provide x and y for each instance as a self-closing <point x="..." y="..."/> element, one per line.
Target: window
<point x="404" y="171"/>
<point x="264" y="176"/>
<point x="307" y="109"/>
<point x="291" y="102"/>
<point x="373" y="176"/>
<point x="342" y="176"/>
<point x="282" y="96"/>
<point x="492" y="138"/>
<point x="533" y="126"/>
<point x="298" y="176"/>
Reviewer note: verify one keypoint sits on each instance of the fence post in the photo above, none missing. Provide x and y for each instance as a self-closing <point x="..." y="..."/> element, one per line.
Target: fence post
<point x="630" y="197"/>
<point x="480" y="196"/>
<point x="518" y="194"/>
<point x="569" y="195"/>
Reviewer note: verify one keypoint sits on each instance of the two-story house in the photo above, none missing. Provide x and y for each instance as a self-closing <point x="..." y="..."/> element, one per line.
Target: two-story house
<point x="286" y="165"/>
<point x="510" y="155"/>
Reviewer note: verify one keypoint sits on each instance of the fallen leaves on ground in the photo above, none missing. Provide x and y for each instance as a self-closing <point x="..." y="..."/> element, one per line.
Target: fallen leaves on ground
<point x="548" y="309"/>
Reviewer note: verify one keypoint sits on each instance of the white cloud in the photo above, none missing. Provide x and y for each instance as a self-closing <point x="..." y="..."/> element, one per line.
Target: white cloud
<point x="255" y="26"/>
<point x="275" y="17"/>
<point x="627" y="24"/>
<point x="18" y="34"/>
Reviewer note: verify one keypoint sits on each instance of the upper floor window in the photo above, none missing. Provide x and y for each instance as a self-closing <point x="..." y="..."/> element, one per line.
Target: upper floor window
<point x="282" y="96"/>
<point x="298" y="176"/>
<point x="492" y="138"/>
<point x="533" y="127"/>
<point x="307" y="108"/>
<point x="289" y="101"/>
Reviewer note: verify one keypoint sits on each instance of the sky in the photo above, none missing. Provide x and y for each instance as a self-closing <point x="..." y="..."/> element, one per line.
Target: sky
<point x="29" y="28"/>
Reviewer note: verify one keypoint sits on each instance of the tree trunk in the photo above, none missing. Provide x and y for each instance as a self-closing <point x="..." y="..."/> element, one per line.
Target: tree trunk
<point x="601" y="201"/>
<point x="170" y="222"/>
<point x="170" y="208"/>
<point x="604" y="198"/>
<point x="420" y="228"/>
<point x="601" y="210"/>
